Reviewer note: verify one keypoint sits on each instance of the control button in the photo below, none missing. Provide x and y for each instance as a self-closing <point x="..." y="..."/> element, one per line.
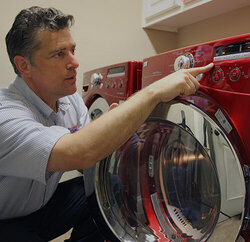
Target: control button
<point x="120" y="84"/>
<point x="107" y="84"/>
<point x="113" y="84"/>
<point x="235" y="74"/>
<point x="217" y="75"/>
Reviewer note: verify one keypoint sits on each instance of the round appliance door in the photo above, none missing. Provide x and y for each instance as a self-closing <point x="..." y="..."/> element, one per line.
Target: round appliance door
<point x="172" y="180"/>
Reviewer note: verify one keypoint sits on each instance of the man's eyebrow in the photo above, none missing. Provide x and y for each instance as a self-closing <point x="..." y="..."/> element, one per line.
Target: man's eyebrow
<point x="60" y="49"/>
<point x="57" y="50"/>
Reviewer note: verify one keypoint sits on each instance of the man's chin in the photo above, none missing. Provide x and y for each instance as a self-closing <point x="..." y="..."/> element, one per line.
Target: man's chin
<point x="72" y="91"/>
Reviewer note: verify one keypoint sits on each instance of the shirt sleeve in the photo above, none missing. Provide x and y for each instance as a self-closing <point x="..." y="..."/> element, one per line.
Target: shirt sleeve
<point x="25" y="143"/>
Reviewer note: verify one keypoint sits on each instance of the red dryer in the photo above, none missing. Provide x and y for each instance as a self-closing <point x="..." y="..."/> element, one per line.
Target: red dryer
<point x="206" y="193"/>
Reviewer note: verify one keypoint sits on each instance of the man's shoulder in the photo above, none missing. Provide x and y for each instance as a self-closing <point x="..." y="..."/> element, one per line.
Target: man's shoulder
<point x="9" y="96"/>
<point x="10" y="99"/>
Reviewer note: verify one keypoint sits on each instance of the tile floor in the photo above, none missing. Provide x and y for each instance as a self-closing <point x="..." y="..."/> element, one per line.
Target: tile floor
<point x="62" y="237"/>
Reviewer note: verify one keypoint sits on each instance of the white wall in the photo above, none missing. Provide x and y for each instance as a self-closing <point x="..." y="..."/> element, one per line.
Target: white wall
<point x="233" y="23"/>
<point x="106" y="32"/>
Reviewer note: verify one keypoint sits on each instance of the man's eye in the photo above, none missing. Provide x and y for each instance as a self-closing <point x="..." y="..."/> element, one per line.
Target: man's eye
<point x="59" y="54"/>
<point x="73" y="51"/>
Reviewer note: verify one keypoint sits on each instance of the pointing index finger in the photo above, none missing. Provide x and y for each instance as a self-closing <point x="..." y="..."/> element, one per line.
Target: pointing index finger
<point x="198" y="70"/>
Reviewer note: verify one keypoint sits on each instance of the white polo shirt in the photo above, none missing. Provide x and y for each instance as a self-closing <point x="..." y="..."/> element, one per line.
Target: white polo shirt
<point x="29" y="129"/>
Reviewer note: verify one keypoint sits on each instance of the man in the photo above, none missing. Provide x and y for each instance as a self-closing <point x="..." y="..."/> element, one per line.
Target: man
<point x="45" y="130"/>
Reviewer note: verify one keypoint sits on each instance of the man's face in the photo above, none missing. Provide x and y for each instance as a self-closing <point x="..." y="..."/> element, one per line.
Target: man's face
<point x="53" y="69"/>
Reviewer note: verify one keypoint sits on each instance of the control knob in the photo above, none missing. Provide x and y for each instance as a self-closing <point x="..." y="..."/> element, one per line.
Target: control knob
<point x="185" y="61"/>
<point x="217" y="75"/>
<point x="96" y="78"/>
<point x="235" y="74"/>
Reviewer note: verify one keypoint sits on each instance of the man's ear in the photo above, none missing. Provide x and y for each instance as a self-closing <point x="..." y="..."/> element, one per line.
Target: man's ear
<point x="23" y="65"/>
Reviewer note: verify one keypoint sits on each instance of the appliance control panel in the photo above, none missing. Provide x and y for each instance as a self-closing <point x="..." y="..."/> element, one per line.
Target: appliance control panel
<point x="231" y="58"/>
<point x="232" y="65"/>
<point x="120" y="80"/>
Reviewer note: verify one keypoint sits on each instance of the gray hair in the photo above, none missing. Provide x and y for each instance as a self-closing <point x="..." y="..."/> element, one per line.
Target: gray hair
<point x="21" y="38"/>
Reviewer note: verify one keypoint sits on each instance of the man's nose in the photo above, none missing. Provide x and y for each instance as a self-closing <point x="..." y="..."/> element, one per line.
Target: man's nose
<point x="72" y="62"/>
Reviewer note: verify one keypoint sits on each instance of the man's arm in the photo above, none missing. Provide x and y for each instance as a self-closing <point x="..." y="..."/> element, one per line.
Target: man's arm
<point x="104" y="135"/>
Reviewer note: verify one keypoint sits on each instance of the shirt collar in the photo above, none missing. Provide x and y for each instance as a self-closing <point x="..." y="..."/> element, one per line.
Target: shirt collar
<point x="62" y="103"/>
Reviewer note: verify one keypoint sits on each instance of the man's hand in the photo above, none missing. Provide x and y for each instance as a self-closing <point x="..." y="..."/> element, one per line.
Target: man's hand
<point x="180" y="83"/>
<point x="113" y="105"/>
